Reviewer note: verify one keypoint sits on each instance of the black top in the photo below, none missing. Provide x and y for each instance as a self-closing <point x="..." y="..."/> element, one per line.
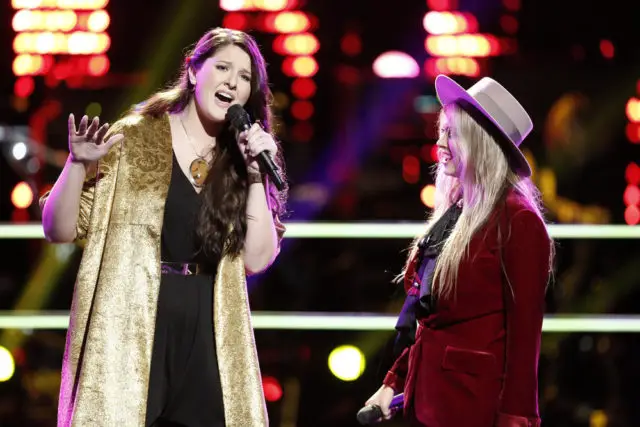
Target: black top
<point x="180" y="218"/>
<point x="429" y="248"/>
<point x="184" y="381"/>
<point x="419" y="302"/>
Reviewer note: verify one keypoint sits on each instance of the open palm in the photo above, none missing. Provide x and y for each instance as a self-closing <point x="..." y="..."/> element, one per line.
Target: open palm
<point x="86" y="144"/>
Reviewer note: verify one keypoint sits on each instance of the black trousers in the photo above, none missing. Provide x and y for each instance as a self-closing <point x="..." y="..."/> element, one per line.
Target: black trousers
<point x="184" y="385"/>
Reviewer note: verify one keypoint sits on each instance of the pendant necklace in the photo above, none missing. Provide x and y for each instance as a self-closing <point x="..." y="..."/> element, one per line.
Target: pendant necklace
<point x="199" y="167"/>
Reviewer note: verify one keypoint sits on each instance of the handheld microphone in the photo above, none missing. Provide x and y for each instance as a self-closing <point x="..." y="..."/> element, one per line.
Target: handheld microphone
<point x="371" y="414"/>
<point x="239" y="119"/>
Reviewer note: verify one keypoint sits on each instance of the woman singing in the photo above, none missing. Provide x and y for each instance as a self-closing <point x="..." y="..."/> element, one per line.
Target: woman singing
<point x="175" y="213"/>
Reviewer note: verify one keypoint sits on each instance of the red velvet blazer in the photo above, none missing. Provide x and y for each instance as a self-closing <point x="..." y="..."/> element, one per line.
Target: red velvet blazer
<point x="475" y="359"/>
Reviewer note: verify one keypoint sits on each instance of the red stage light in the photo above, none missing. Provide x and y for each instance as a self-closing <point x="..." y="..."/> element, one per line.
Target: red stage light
<point x="302" y="110"/>
<point x="303" y="88"/>
<point x="23" y="87"/>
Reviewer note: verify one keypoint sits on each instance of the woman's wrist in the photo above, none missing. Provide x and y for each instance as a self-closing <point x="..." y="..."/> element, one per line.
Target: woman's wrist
<point x="78" y="164"/>
<point x="254" y="177"/>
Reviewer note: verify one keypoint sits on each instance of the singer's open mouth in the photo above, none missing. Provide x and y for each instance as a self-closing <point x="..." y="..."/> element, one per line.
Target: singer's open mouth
<point x="224" y="97"/>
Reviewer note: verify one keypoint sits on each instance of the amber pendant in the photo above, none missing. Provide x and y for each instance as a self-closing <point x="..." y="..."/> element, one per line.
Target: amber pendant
<point x="199" y="169"/>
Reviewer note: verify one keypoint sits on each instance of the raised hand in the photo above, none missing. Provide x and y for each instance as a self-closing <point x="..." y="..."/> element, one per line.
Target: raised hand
<point x="86" y="144"/>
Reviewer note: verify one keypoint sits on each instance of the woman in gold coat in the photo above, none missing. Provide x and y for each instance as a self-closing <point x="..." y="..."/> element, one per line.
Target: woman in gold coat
<point x="175" y="213"/>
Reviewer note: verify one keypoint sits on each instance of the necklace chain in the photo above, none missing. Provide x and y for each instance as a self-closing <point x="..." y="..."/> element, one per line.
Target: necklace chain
<point x="193" y="147"/>
<point x="199" y="167"/>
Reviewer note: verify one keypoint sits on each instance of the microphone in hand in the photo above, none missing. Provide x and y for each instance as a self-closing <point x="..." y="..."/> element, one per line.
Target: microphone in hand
<point x="372" y="414"/>
<point x="240" y="121"/>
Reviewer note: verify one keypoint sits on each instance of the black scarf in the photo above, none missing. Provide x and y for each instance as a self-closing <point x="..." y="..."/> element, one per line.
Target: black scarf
<point x="420" y="301"/>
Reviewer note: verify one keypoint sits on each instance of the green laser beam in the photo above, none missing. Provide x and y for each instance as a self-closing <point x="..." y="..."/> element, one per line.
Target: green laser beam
<point x="344" y="321"/>
<point x="373" y="230"/>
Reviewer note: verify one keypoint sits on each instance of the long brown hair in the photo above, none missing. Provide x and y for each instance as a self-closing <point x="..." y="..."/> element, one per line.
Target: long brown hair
<point x="222" y="221"/>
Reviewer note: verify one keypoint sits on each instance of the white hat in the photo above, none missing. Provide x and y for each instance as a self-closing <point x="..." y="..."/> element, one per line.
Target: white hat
<point x="493" y="101"/>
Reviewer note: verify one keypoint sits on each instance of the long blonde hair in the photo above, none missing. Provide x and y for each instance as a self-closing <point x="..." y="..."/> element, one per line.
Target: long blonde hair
<point x="483" y="177"/>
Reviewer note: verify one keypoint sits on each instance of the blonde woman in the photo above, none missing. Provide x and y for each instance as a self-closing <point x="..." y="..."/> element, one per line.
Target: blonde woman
<point x="476" y="280"/>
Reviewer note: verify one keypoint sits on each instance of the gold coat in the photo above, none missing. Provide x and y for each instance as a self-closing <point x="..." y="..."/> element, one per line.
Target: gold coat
<point x="105" y="373"/>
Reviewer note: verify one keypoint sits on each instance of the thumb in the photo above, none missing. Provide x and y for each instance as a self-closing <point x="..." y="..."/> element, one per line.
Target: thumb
<point x="385" y="411"/>
<point x="113" y="141"/>
<point x="243" y="136"/>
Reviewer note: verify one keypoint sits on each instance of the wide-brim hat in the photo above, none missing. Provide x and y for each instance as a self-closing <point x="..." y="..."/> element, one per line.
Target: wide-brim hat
<point x="494" y="102"/>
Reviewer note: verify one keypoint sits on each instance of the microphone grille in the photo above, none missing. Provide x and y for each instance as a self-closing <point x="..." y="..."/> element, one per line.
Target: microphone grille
<point x="369" y="414"/>
<point x="237" y="116"/>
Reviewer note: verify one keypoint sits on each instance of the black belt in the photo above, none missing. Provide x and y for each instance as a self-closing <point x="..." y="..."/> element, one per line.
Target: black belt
<point x="180" y="268"/>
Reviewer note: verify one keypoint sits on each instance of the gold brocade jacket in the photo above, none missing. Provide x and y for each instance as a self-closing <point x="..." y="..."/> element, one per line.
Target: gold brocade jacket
<point x="105" y="373"/>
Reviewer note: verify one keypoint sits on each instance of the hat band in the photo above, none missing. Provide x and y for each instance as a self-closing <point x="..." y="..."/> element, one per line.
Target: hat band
<point x="499" y="117"/>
